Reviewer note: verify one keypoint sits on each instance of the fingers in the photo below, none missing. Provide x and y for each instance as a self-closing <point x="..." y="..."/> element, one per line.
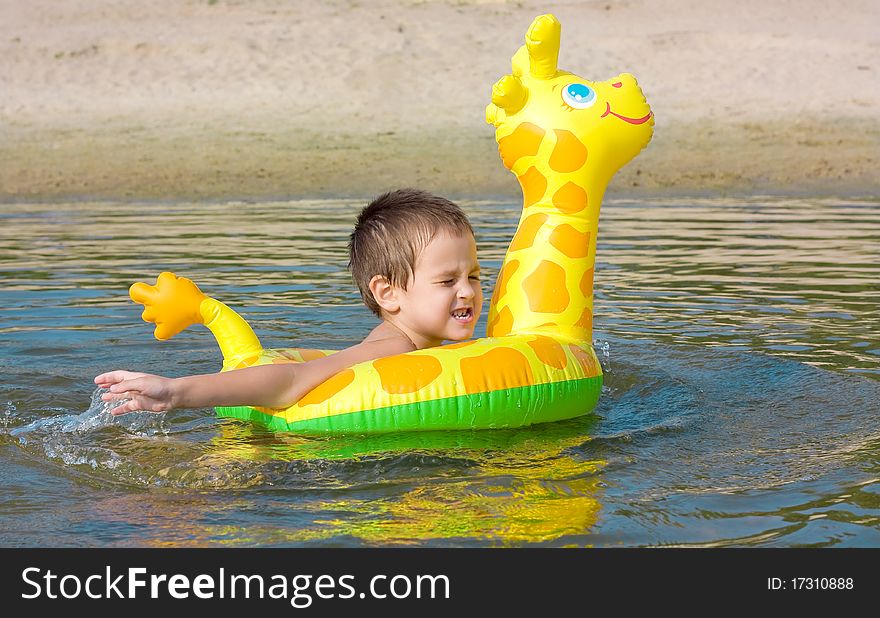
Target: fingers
<point x="124" y="386"/>
<point x="135" y="404"/>
<point x="172" y="304"/>
<point x="149" y="314"/>
<point x="143" y="293"/>
<point x="149" y="392"/>
<point x="166" y="283"/>
<point x="131" y="400"/>
<point x="127" y="385"/>
<point x="542" y="43"/>
<point x="128" y="401"/>
<point x="105" y="380"/>
<point x="166" y="330"/>
<point x="125" y="408"/>
<point x="167" y="279"/>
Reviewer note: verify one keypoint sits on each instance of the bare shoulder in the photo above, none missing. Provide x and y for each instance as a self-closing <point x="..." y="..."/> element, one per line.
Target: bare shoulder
<point x="387" y="336"/>
<point x="377" y="345"/>
<point x="311" y="373"/>
<point x="385" y="342"/>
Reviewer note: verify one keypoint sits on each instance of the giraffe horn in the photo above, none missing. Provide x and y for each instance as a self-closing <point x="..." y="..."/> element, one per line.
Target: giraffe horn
<point x="509" y="94"/>
<point x="494" y="115"/>
<point x="542" y="42"/>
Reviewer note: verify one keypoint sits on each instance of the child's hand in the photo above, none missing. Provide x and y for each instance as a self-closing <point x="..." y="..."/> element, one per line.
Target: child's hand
<point x="146" y="391"/>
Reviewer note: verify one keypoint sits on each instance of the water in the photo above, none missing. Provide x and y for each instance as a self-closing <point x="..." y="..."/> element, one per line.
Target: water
<point x="741" y="405"/>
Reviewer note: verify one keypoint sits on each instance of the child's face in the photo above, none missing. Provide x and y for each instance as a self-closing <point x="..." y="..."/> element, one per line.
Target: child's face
<point x="444" y="299"/>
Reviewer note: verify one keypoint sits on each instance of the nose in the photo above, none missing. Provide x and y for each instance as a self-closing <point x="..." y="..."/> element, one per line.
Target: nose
<point x="466" y="290"/>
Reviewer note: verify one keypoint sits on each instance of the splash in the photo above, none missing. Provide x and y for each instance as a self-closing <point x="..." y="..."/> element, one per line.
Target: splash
<point x="95" y="418"/>
<point x="604" y="349"/>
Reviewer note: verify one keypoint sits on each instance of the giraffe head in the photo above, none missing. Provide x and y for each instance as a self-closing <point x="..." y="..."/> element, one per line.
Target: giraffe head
<point x="598" y="126"/>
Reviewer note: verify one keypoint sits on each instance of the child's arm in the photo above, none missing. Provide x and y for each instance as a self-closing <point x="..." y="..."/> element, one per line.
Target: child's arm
<point x="269" y="386"/>
<point x="258" y="386"/>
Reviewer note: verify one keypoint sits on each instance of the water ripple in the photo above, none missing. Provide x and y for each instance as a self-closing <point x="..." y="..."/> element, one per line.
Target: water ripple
<point x="739" y="338"/>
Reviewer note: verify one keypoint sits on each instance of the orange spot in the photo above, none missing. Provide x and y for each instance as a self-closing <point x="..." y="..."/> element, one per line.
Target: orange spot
<point x="549" y="352"/>
<point x="586" y="320"/>
<point x="498" y="368"/>
<point x="301" y="354"/>
<point x="249" y="361"/>
<point x="405" y="373"/>
<point x="523" y="142"/>
<point x="545" y="288"/>
<point x="308" y="355"/>
<point x="455" y="346"/>
<point x="501" y="325"/>
<point x="572" y="243"/>
<point x="283" y="361"/>
<point x="587" y="284"/>
<point x="503" y="279"/>
<point x="586" y="360"/>
<point x="328" y="388"/>
<point x="269" y="411"/>
<point x="570" y="198"/>
<point x="527" y="231"/>
<point x="533" y="186"/>
<point x="569" y="154"/>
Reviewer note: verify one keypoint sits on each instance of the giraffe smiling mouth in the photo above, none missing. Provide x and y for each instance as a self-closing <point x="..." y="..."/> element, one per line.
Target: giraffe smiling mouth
<point x="641" y="120"/>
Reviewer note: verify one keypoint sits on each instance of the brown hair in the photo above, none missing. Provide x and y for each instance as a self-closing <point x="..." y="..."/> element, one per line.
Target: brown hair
<point x="391" y="232"/>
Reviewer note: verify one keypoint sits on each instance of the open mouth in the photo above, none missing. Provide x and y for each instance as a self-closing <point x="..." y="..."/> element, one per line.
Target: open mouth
<point x="641" y="120"/>
<point x="463" y="316"/>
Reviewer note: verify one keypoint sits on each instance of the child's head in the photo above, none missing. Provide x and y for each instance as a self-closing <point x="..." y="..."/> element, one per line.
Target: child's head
<point x="413" y="257"/>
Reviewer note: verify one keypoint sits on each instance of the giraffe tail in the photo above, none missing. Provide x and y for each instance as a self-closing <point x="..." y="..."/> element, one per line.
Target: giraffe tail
<point x="175" y="303"/>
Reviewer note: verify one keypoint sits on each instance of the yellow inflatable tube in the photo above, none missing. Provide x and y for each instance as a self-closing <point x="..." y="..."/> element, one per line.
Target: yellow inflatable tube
<point x="563" y="137"/>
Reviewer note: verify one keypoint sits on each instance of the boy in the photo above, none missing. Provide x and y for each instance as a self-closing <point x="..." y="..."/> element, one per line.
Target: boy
<point x="414" y="260"/>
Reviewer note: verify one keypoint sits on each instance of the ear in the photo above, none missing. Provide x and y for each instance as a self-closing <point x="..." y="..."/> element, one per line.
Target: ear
<point x="385" y="294"/>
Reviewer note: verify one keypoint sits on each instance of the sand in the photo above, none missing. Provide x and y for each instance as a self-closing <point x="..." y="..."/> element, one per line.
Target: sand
<point x="258" y="99"/>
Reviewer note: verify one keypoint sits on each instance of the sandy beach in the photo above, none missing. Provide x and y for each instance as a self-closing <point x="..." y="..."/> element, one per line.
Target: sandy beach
<point x="217" y="99"/>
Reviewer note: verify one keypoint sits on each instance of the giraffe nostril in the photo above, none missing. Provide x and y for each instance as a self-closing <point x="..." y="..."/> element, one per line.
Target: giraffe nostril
<point x="617" y="84"/>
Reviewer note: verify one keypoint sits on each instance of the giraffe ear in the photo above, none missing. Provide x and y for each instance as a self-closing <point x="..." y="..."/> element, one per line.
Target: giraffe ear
<point x="509" y="94"/>
<point x="542" y="42"/>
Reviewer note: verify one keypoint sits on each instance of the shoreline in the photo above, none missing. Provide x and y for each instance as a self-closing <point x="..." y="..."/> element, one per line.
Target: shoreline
<point x="253" y="163"/>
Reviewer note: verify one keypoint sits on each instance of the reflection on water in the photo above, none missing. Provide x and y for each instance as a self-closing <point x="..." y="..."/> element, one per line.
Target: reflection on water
<point x="739" y="339"/>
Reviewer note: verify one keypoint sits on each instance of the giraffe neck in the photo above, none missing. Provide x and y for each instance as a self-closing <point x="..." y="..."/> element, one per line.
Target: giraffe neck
<point x="546" y="281"/>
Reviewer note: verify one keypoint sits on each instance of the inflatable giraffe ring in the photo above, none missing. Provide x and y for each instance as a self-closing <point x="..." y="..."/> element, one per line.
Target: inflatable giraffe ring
<point x="563" y="137"/>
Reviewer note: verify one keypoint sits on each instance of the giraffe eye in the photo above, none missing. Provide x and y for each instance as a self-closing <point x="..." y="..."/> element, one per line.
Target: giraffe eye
<point x="578" y="96"/>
